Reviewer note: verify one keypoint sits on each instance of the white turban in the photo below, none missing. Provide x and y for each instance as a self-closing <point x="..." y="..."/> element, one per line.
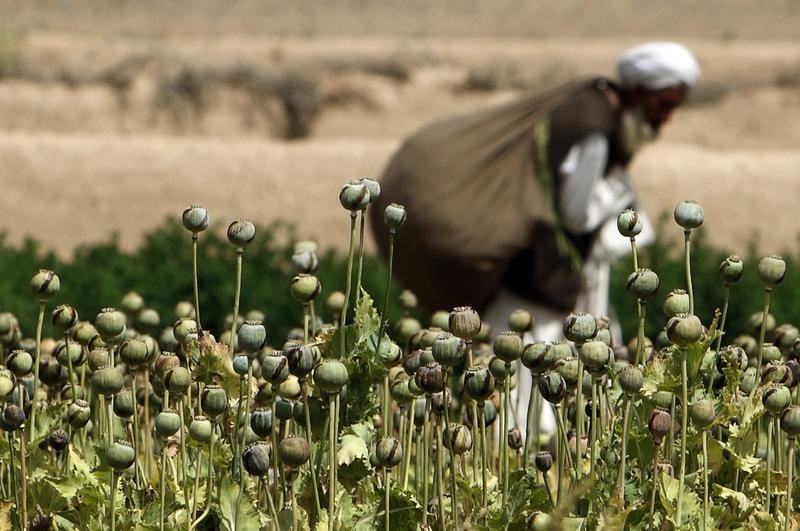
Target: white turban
<point x="658" y="65"/>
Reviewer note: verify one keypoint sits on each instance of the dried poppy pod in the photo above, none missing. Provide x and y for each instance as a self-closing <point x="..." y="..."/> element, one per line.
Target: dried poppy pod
<point x="304" y="288"/>
<point x="13" y="417"/>
<point x="464" y="322"/>
<point x="255" y="458"/>
<point x="294" y="451"/>
<point x="45" y="284"/>
<point x="579" y="327"/>
<point x="642" y="283"/>
<point x="165" y="362"/>
<point x="508" y="346"/>
<point x="776" y="372"/>
<point x="776" y="398"/>
<point x="514" y="439"/>
<point x="684" y="329"/>
<point x="389" y="452"/>
<point x="58" y="440"/>
<point x="394" y="216"/>
<point x="702" y="413"/>
<point x="629" y="223"/>
<point x="731" y="356"/>
<point x="354" y="196"/>
<point x="457" y="438"/>
<point x="676" y="302"/>
<point x="771" y="271"/>
<point x="543" y="461"/>
<point x="64" y="317"/>
<point x="195" y="219"/>
<point x="689" y="215"/>
<point x="659" y="424"/>
<point x="730" y="269"/>
<point x="790" y="420"/>
<point x="430" y="378"/>
<point x="120" y="455"/>
<point x="240" y="233"/>
<point x="201" y="429"/>
<point x="552" y="387"/>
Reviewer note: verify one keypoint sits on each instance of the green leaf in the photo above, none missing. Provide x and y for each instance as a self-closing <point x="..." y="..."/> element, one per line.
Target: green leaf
<point x="228" y="496"/>
<point x="668" y="488"/>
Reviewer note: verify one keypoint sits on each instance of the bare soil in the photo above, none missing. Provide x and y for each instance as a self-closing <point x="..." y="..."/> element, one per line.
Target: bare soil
<point x="112" y="120"/>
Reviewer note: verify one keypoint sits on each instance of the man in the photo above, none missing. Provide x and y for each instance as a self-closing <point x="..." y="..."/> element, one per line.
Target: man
<point x="515" y="206"/>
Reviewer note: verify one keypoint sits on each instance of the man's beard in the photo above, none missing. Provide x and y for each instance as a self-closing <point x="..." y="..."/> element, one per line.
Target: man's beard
<point x="635" y="130"/>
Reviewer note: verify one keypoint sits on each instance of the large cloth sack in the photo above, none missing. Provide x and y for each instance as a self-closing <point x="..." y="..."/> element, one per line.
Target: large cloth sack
<point x="472" y="196"/>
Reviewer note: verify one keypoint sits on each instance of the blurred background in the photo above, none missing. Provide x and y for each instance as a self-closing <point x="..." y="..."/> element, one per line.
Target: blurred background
<point x="116" y="115"/>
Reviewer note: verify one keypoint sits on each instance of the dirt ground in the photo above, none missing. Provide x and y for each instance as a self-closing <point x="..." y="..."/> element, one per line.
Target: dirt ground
<point x="112" y="120"/>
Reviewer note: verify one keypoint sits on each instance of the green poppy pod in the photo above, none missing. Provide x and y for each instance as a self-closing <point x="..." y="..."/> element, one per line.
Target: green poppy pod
<point x="241" y="364"/>
<point x="275" y="368"/>
<point x="7" y="380"/>
<point x="631" y="379"/>
<point x="730" y="270"/>
<point x="120" y="455"/>
<point x="290" y="388"/>
<point x="110" y="324"/>
<point x="771" y="270"/>
<point x="334" y="304"/>
<point x="561" y="350"/>
<point x="604" y="335"/>
<point x="440" y="320"/>
<point x="568" y="369"/>
<point x="97" y="358"/>
<point x="501" y="369"/>
<point x="78" y="414"/>
<point x="284" y="409"/>
<point x="790" y="421"/>
<point x="426" y="356"/>
<point x="178" y="380"/>
<point x="775" y="398"/>
<point x="595" y="356"/>
<point x="784" y="336"/>
<point x="44" y="284"/>
<point x="302" y="359"/>
<point x="629" y="223"/>
<point x="749" y="380"/>
<point x="373" y="186"/>
<point x="389" y="452"/>
<point x="21" y="364"/>
<point x="478" y="383"/>
<point x="241" y="232"/>
<point x="659" y="424"/>
<point x="148" y="319"/>
<point x="508" y="346"/>
<point x="304" y="288"/>
<point x="317" y="412"/>
<point x="684" y="329"/>
<point x="294" y="451"/>
<point x="662" y="399"/>
<point x="132" y="303"/>
<point x="702" y="413"/>
<point x="580" y="327"/>
<point x="537" y="357"/>
<point x="331" y="375"/>
<point x="457" y="438"/>
<point x="107" y="380"/>
<point x="201" y="429"/>
<point x="405" y="328"/>
<point x="252" y="336"/>
<point x="465" y="322"/>
<point x="414" y="388"/>
<point x="354" y="196"/>
<point x="448" y="350"/>
<point x="167" y="423"/>
<point x="64" y="352"/>
<point x="214" y="400"/>
<point x="184" y="309"/>
<point x="184" y="329"/>
<point x="776" y="372"/>
<point x="134" y="353"/>
<point x="643" y="283"/>
<point x="412" y="362"/>
<point x="552" y="387"/>
<point x="490" y="413"/>
<point x="305" y="261"/>
<point x="195" y="219"/>
<point x="394" y="216"/>
<point x="66" y="390"/>
<point x="521" y="321"/>
<point x="261" y="421"/>
<point x="400" y="392"/>
<point x="124" y="406"/>
<point x="430" y="378"/>
<point x="264" y="394"/>
<point x="770" y="353"/>
<point x="83" y="331"/>
<point x="64" y="317"/>
<point x="255" y="459"/>
<point x="50" y="371"/>
<point x="688" y="214"/>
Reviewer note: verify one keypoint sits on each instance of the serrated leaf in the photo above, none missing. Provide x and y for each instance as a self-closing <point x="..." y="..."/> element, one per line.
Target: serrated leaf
<point x="351" y="448"/>
<point x="737" y="501"/>
<point x="668" y="488"/>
